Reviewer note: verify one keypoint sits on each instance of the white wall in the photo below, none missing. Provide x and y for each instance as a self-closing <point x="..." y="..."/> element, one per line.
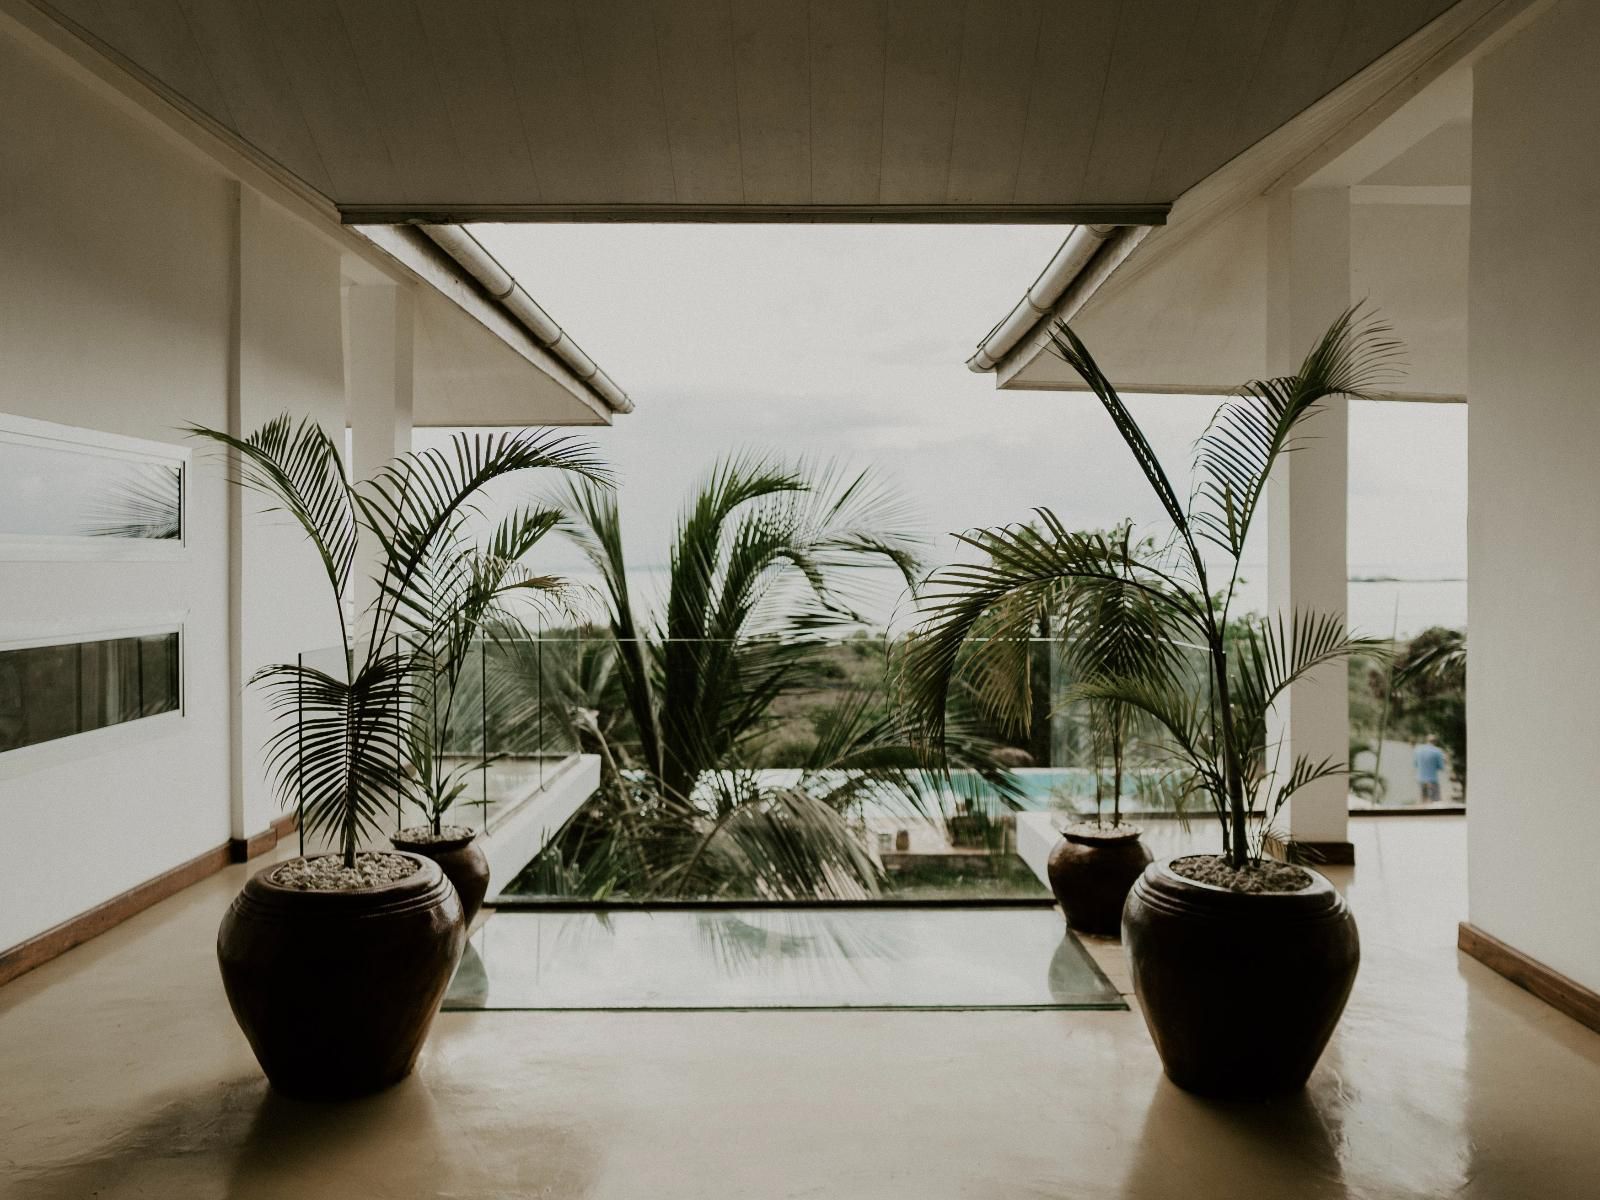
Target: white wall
<point x="1534" y="493"/>
<point x="1410" y="262"/>
<point x="290" y="360"/>
<point x="120" y="274"/>
<point x="114" y="313"/>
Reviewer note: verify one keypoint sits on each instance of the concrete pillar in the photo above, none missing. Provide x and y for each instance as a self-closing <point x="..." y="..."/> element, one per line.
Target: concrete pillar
<point x="379" y="333"/>
<point x="1533" y="502"/>
<point x="1308" y="285"/>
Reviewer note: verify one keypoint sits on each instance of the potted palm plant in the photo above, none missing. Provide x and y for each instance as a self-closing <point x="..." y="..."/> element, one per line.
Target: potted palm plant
<point x="466" y="592"/>
<point x="1226" y="949"/>
<point x="335" y="963"/>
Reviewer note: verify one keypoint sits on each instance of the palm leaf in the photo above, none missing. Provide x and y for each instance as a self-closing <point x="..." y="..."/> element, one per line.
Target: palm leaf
<point x="298" y="468"/>
<point x="1254" y="428"/>
<point x="1070" y="349"/>
<point x="341" y="749"/>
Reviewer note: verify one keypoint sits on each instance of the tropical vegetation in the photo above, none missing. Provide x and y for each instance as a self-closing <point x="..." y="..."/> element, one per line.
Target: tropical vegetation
<point x="349" y="742"/>
<point x="765" y="558"/>
<point x="1165" y="608"/>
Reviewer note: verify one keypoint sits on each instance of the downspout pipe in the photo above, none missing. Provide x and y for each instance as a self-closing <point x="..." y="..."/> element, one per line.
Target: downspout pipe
<point x="1073" y="256"/>
<point x="469" y="252"/>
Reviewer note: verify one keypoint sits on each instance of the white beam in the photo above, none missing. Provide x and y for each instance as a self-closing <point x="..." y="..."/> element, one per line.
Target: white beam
<point x="1308" y="285"/>
<point x="379" y="334"/>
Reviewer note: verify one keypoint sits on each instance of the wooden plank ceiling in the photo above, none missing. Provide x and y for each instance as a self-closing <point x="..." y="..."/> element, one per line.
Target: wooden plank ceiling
<point x="1051" y="110"/>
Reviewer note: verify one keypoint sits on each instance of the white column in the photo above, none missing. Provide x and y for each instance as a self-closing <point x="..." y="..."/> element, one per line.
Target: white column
<point x="1308" y="282"/>
<point x="1533" y="499"/>
<point x="378" y="395"/>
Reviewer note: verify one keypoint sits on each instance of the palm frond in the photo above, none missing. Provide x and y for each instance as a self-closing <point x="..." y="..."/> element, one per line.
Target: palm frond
<point x="789" y="844"/>
<point x="1254" y="428"/>
<point x="418" y="499"/>
<point x="341" y="749"/>
<point x="298" y="469"/>
<point x="139" y="500"/>
<point x="1026" y="571"/>
<point x="591" y="521"/>
<point x="1274" y="653"/>
<point x="1441" y="665"/>
<point x="1070" y="349"/>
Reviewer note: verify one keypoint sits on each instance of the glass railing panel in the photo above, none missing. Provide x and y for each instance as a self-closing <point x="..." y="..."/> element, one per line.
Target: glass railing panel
<point x="774" y="770"/>
<point x="504" y="729"/>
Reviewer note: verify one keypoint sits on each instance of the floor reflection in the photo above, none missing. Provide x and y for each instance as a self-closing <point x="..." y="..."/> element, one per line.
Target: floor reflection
<point x="944" y="957"/>
<point x="1289" y="1146"/>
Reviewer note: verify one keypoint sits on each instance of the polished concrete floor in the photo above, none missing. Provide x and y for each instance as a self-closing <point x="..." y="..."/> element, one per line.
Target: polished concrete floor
<point x="122" y="1075"/>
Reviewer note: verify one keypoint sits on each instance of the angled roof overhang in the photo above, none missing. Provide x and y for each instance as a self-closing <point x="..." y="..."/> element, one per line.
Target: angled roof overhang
<point x="1183" y="308"/>
<point x="485" y="352"/>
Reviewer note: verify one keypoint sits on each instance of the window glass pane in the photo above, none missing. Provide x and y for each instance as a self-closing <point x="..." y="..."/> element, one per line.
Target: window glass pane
<point x="49" y="692"/>
<point x="53" y="492"/>
<point x="158" y="674"/>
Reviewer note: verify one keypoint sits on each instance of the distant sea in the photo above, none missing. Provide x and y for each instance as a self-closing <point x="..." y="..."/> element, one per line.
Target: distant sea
<point x="1383" y="597"/>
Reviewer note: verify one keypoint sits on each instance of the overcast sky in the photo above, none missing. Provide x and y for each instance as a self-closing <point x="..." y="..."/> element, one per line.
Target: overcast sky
<point x="851" y="340"/>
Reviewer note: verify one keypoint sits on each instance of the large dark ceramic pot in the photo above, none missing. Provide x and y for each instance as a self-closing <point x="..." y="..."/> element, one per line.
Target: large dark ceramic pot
<point x="1091" y="870"/>
<point x="461" y="860"/>
<point x="1240" y="991"/>
<point x="336" y="990"/>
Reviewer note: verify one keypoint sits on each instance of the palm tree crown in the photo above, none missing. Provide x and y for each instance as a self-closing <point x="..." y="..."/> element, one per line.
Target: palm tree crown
<point x="764" y="557"/>
<point x="346" y="743"/>
<point x="1157" y="637"/>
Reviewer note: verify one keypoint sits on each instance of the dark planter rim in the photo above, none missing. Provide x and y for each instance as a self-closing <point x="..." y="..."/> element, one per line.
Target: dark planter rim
<point x="1085" y="835"/>
<point x="1165" y="889"/>
<point x="438" y="846"/>
<point x="398" y="895"/>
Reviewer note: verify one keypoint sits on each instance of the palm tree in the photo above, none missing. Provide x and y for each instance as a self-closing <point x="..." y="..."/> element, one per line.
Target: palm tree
<point x="1210" y="690"/>
<point x="1437" y="657"/>
<point x="762" y="560"/>
<point x="341" y="749"/>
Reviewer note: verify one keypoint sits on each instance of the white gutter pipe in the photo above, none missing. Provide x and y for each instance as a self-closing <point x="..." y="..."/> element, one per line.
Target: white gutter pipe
<point x="1041" y="298"/>
<point x="498" y="282"/>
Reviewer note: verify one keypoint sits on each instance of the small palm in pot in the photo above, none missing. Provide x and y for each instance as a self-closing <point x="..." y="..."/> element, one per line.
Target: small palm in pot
<point x="473" y="595"/>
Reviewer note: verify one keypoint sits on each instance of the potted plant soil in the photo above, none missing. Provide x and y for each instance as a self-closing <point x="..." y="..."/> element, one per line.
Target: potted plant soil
<point x="1227" y="949"/>
<point x="334" y="964"/>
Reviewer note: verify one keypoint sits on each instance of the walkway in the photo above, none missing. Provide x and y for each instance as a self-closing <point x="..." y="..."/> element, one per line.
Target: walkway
<point x="122" y="1075"/>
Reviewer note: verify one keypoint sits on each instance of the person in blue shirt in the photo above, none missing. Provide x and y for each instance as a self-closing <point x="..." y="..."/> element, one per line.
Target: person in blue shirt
<point x="1429" y="761"/>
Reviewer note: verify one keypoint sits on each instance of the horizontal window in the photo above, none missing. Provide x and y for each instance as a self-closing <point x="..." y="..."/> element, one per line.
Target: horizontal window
<point x="50" y="692"/>
<point x="51" y="489"/>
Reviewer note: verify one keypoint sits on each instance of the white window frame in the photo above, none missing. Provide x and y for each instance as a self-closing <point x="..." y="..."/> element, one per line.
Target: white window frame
<point x="75" y="747"/>
<point x="49" y="435"/>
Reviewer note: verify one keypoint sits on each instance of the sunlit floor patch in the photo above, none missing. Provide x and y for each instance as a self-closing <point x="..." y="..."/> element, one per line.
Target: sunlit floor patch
<point x="896" y="958"/>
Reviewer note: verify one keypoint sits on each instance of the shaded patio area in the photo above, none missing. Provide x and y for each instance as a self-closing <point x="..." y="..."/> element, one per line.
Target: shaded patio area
<point x="126" y="1076"/>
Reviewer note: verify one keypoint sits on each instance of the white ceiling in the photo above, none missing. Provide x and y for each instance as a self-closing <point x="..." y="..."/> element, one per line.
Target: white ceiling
<point x="776" y="109"/>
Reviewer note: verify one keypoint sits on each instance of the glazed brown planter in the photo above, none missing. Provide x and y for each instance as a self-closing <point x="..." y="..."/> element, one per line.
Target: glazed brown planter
<point x="336" y="991"/>
<point x="463" y="864"/>
<point x="1091" y="874"/>
<point x="1240" y="991"/>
